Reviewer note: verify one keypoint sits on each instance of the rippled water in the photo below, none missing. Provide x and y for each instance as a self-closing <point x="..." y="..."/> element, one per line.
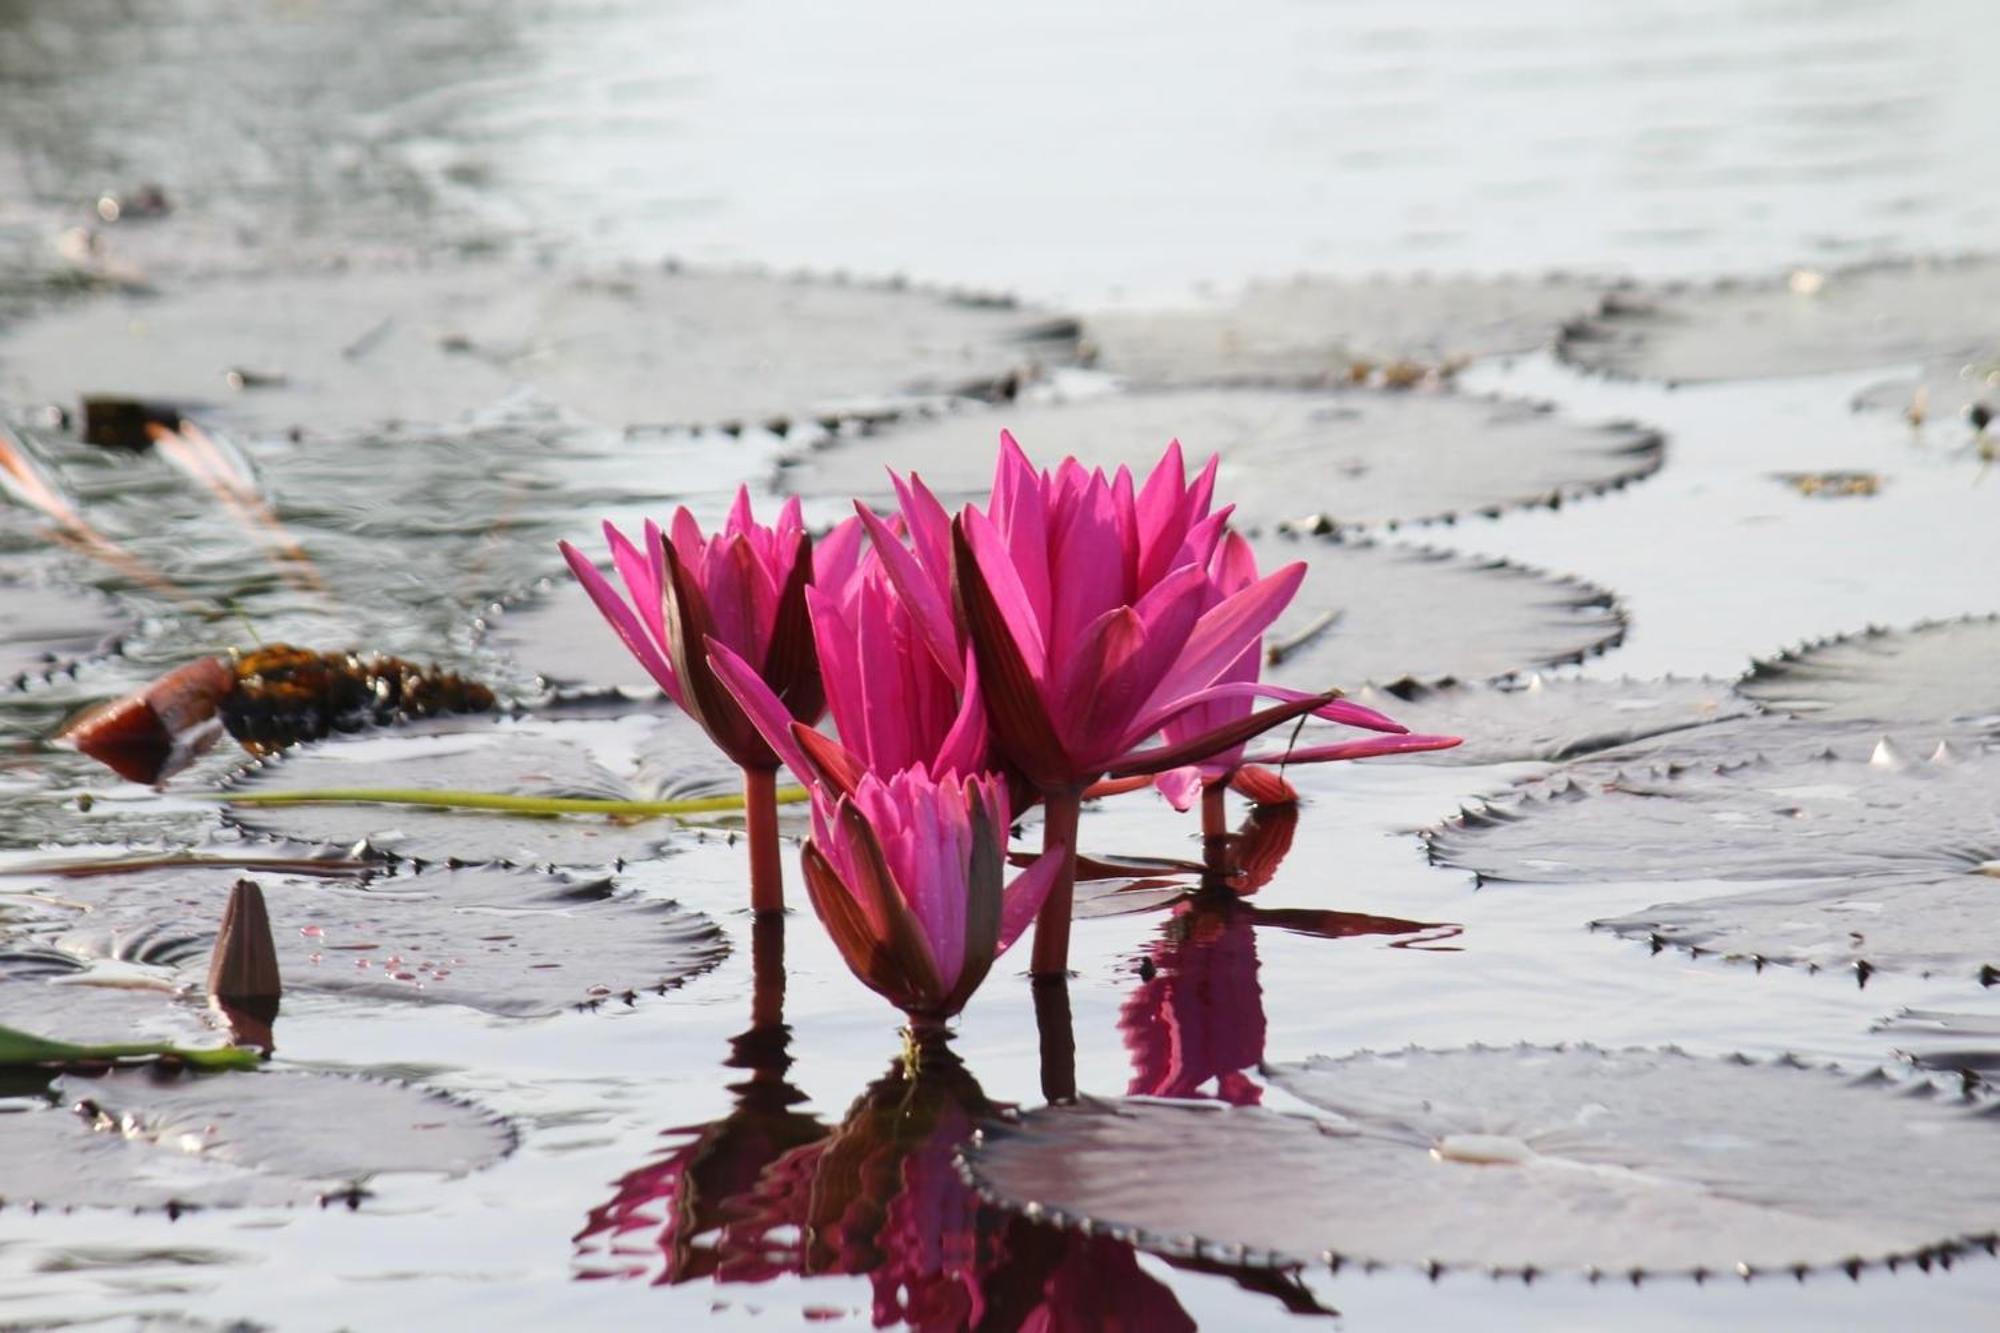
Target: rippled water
<point x="1076" y="156"/>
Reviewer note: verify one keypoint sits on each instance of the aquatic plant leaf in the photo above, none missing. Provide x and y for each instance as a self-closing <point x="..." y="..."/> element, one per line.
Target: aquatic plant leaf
<point x="1942" y="396"/>
<point x="151" y="1138"/>
<point x="510" y="942"/>
<point x="1942" y="1039"/>
<point x="1328" y="328"/>
<point x="1313" y="460"/>
<point x="658" y="756"/>
<point x="356" y="346"/>
<point x="19" y="1048"/>
<point x="1549" y="720"/>
<point x="1922" y="924"/>
<point x="1381" y="612"/>
<point x="1946" y="671"/>
<point x="1806" y="324"/>
<point x="560" y="637"/>
<point x="1739" y="802"/>
<point x="60" y="997"/>
<point x="51" y="629"/>
<point x="1515" y="1160"/>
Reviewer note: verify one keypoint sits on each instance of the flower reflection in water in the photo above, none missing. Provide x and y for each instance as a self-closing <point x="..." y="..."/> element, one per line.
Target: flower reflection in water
<point x="768" y="1190"/>
<point x="1195" y="1025"/>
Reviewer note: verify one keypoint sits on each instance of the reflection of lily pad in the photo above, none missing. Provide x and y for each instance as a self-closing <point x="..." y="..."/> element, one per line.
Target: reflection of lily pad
<point x="1383" y="612"/>
<point x="148" y="1138"/>
<point x="49" y="628"/>
<point x="1312" y="459"/>
<point x="1636" y="1162"/>
<point x="1946" y="671"/>
<point x="1316" y="328"/>
<point x="1543" y="719"/>
<point x="655" y="757"/>
<point x="356" y="347"/>
<point x="1878" y="315"/>
<point x="507" y="942"/>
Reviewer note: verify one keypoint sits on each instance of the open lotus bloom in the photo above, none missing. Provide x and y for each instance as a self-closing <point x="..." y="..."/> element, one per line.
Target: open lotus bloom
<point x="1233" y="569"/>
<point x="906" y="876"/>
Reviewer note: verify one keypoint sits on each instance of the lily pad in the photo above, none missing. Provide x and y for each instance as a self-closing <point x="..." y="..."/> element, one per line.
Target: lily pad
<point x="50" y="629"/>
<point x="1320" y="328"/>
<point x="560" y="636"/>
<point x="1526" y="1160"/>
<point x="1318" y="460"/>
<point x="59" y="996"/>
<point x="1813" y="803"/>
<point x="1546" y="720"/>
<point x="1922" y="924"/>
<point x="1941" y="1039"/>
<point x="516" y="943"/>
<point x="148" y="1138"/>
<point x="344" y="348"/>
<point x="1805" y="324"/>
<point x="1947" y="671"/>
<point x="660" y="756"/>
<point x="1388" y="612"/>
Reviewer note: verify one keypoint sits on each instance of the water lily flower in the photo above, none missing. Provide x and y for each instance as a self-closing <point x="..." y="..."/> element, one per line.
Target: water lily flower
<point x="906" y="876"/>
<point x="1095" y="623"/>
<point x="744" y="588"/>
<point x="1232" y="569"/>
<point x="895" y="703"/>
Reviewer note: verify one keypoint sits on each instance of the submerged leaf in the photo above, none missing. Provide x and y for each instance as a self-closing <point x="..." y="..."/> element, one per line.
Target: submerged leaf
<point x="1331" y="458"/>
<point x="1516" y="1160"/>
<point x="153" y="1139"/>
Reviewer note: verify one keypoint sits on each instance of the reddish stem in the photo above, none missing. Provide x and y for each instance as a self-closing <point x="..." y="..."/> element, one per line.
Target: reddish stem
<point x="760" y="813"/>
<point x="1215" y="810"/>
<point x="1060" y="810"/>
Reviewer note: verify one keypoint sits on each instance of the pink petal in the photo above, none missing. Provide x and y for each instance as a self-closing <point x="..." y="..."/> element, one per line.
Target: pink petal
<point x="1365" y="748"/>
<point x="622" y="620"/>
<point x="1012" y="599"/>
<point x="1022" y="900"/>
<point x="919" y="593"/>
<point x="762" y="707"/>
<point x="1181" y="786"/>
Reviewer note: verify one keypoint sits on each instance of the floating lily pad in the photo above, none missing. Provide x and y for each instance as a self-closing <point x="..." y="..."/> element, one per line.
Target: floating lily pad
<point x="560" y="636"/>
<point x="1940" y="1039"/>
<point x="1526" y="1160"/>
<point x="517" y="943"/>
<point x="1543" y="719"/>
<point x="56" y="995"/>
<point x="1943" y="672"/>
<point x="1386" y="612"/>
<point x="1942" y="394"/>
<point x="1806" y="324"/>
<point x="1923" y="924"/>
<point x="149" y="1138"/>
<point x="1325" y="328"/>
<point x="352" y="347"/>
<point x="1740" y="802"/>
<point x="1321" y="459"/>
<point x="49" y="629"/>
<point x="651" y="758"/>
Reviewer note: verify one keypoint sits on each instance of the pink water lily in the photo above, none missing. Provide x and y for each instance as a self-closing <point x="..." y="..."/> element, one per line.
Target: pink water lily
<point x="906" y="875"/>
<point x="900" y="688"/>
<point x="1232" y="569"/>
<point x="743" y="587"/>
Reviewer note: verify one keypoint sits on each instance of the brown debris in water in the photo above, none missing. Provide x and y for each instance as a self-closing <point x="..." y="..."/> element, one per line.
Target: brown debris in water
<point x="1833" y="485"/>
<point x="268" y="699"/>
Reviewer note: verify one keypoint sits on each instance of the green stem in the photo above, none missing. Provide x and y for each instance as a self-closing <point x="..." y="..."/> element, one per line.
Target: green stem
<point x="485" y="800"/>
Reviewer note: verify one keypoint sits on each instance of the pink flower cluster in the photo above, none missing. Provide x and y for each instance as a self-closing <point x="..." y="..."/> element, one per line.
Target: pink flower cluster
<point x="1076" y="634"/>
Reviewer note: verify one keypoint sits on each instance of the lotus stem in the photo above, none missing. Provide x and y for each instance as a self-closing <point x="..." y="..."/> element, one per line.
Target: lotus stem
<point x="1060" y="810"/>
<point x="1215" y="810"/>
<point x="510" y="804"/>
<point x="760" y="809"/>
<point x="1058" y="1039"/>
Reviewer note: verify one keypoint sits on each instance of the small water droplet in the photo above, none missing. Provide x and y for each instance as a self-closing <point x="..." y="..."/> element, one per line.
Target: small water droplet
<point x="361" y="962"/>
<point x="314" y="956"/>
<point x="312" y="932"/>
<point x="404" y="976"/>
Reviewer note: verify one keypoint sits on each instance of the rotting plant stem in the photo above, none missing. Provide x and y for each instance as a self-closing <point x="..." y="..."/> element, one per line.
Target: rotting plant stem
<point x="1060" y="810"/>
<point x="760" y="813"/>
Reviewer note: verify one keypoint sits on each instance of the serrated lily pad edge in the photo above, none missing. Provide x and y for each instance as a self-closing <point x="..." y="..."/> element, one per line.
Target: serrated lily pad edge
<point x="1908" y="1081"/>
